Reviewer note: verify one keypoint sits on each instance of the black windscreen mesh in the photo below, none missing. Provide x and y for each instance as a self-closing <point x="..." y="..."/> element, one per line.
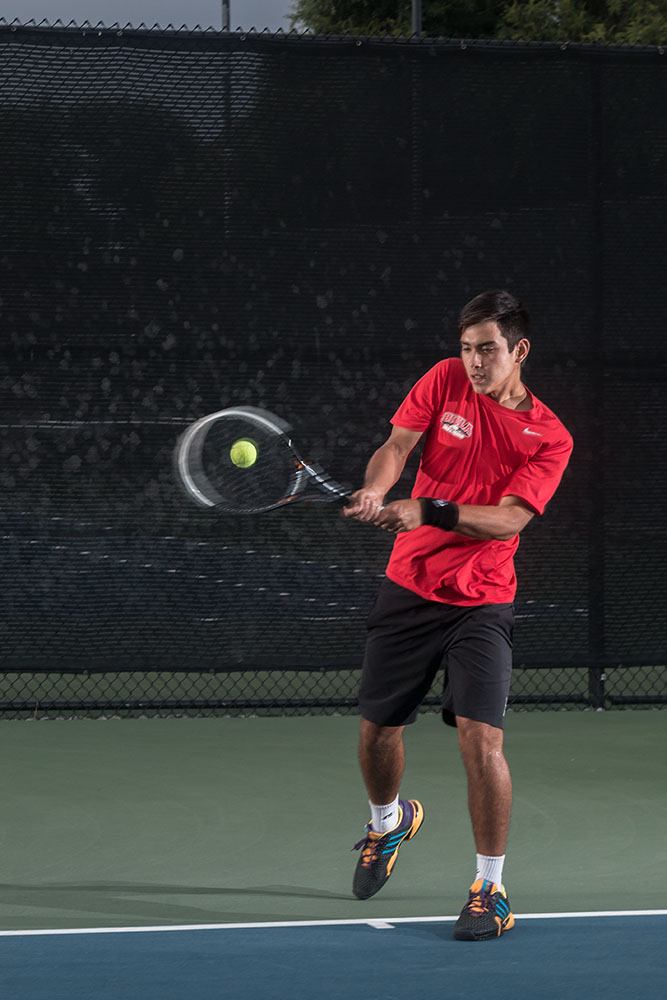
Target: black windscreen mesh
<point x="192" y="221"/>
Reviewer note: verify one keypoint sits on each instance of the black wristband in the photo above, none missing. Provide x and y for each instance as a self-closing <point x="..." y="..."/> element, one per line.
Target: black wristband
<point x="439" y="513"/>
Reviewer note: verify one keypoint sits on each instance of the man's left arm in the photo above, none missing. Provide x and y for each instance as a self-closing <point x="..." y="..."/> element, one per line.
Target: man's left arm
<point x="528" y="491"/>
<point x="501" y="522"/>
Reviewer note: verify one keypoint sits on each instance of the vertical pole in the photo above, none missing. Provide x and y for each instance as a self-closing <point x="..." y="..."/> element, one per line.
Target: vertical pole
<point x="597" y="542"/>
<point x="227" y="117"/>
<point x="416" y="137"/>
<point x="416" y="17"/>
<point x="416" y="125"/>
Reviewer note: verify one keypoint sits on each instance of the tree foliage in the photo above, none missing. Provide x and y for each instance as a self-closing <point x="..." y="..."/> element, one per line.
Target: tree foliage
<point x="642" y="22"/>
<point x="627" y="22"/>
<point x="355" y="17"/>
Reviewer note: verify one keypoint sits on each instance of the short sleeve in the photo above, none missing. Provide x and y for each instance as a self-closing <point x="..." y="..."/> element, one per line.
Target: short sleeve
<point x="537" y="480"/>
<point x="417" y="410"/>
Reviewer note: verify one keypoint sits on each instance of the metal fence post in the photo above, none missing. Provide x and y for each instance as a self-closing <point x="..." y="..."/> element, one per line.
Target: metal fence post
<point x="596" y="444"/>
<point x="416" y="17"/>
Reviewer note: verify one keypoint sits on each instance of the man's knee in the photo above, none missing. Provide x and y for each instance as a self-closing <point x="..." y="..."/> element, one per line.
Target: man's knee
<point x="479" y="742"/>
<point x="373" y="736"/>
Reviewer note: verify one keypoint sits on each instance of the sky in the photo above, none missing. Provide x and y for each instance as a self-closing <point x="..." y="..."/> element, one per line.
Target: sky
<point x="246" y="14"/>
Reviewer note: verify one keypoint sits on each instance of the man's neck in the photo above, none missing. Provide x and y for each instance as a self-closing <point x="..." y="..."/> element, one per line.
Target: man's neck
<point x="514" y="397"/>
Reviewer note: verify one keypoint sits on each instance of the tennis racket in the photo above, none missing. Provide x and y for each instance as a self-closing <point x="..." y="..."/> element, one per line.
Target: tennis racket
<point x="241" y="460"/>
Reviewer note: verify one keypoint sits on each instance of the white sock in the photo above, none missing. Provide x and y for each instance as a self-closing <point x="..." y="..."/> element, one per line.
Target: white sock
<point x="385" y="818"/>
<point x="490" y="869"/>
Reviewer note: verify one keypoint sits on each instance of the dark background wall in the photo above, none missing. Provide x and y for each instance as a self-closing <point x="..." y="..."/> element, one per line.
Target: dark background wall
<point x="193" y="220"/>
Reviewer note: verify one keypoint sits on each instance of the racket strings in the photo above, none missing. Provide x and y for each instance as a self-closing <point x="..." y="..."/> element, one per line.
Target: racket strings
<point x="271" y="478"/>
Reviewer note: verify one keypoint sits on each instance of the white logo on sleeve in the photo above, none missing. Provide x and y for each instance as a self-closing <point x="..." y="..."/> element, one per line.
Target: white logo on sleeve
<point x="534" y="433"/>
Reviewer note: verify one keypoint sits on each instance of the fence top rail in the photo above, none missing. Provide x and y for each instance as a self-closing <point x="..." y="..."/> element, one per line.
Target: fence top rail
<point x="33" y="27"/>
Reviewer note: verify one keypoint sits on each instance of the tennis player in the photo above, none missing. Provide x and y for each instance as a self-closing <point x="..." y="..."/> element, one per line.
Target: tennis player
<point x="493" y="456"/>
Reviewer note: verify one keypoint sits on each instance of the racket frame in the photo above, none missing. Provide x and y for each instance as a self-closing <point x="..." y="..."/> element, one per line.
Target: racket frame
<point x="189" y="465"/>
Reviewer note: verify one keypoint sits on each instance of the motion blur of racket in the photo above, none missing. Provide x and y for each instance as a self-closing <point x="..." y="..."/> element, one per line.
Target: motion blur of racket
<point x="242" y="460"/>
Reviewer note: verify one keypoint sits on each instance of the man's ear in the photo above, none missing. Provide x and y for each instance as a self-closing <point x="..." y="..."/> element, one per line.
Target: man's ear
<point x="522" y="348"/>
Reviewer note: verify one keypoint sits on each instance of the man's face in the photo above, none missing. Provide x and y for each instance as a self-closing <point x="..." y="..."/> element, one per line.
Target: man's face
<point x="488" y="362"/>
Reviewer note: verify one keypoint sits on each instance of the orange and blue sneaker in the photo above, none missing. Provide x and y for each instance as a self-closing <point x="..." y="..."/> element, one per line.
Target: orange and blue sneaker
<point x="486" y="915"/>
<point x="380" y="850"/>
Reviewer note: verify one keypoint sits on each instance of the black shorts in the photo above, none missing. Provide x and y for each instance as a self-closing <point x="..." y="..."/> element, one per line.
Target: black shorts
<point x="410" y="638"/>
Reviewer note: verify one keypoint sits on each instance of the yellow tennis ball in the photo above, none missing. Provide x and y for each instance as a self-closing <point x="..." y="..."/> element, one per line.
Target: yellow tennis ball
<point x="243" y="453"/>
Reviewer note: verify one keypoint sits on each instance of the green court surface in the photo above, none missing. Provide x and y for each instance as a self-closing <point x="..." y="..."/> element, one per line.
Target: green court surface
<point x="164" y="822"/>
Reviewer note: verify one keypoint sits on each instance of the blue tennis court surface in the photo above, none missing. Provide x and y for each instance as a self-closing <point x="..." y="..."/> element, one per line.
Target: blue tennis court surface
<point x="573" y="956"/>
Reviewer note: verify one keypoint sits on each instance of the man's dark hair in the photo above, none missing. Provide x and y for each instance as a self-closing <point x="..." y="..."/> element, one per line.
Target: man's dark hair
<point x="499" y="307"/>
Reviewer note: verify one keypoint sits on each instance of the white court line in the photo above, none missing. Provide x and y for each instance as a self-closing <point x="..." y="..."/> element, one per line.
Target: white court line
<point x="379" y="923"/>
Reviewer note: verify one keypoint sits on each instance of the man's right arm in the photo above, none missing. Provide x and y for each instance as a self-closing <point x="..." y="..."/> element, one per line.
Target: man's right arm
<point x="383" y="471"/>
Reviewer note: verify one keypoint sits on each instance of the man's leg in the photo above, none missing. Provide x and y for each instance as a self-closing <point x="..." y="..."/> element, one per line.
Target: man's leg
<point x="403" y="654"/>
<point x="489" y="784"/>
<point x="487" y="913"/>
<point x="382" y="759"/>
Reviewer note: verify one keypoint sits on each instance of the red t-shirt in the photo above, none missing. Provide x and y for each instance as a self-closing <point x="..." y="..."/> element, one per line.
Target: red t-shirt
<point x="475" y="451"/>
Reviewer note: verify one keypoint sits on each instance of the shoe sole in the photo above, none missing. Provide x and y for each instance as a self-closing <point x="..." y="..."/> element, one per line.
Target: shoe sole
<point x="470" y="935"/>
